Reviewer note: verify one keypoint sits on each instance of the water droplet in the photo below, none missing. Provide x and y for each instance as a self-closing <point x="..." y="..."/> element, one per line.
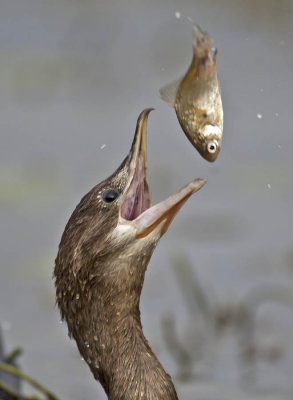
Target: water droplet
<point x="95" y="338"/>
<point x="103" y="346"/>
<point x="97" y="366"/>
<point x="177" y="14"/>
<point x="279" y="146"/>
<point x="269" y="186"/>
<point x="89" y="361"/>
<point x="103" y="146"/>
<point x="259" y="115"/>
<point x="61" y="321"/>
<point x="77" y="296"/>
<point x="277" y="114"/>
<point x="82" y="359"/>
<point x="87" y="344"/>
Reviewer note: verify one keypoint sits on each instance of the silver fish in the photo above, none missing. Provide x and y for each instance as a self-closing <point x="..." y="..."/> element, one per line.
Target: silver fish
<point x="197" y="98"/>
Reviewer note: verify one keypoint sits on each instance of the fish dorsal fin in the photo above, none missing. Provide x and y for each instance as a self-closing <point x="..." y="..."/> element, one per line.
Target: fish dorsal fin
<point x="168" y="93"/>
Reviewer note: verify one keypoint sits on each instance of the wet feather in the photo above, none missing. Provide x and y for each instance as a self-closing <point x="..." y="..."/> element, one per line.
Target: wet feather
<point x="196" y="98"/>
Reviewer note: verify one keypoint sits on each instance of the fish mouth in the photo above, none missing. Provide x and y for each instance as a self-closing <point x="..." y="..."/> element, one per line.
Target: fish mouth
<point x="136" y="206"/>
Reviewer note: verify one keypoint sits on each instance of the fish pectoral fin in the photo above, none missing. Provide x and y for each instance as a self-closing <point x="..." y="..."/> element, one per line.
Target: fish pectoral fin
<point x="168" y="93"/>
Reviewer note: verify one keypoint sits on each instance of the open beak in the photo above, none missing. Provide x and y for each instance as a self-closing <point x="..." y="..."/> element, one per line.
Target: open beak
<point x="136" y="202"/>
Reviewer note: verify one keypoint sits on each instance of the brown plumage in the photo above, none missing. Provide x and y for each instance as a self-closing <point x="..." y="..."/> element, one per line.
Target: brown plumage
<point x="99" y="273"/>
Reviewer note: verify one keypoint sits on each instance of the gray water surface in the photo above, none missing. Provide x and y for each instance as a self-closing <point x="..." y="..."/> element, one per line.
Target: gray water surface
<point x="74" y="75"/>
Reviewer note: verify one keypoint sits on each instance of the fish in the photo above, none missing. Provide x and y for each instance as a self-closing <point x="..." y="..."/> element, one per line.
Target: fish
<point x="197" y="100"/>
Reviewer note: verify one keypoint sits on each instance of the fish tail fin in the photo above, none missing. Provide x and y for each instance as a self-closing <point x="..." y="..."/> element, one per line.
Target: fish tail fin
<point x="168" y="93"/>
<point x="202" y="47"/>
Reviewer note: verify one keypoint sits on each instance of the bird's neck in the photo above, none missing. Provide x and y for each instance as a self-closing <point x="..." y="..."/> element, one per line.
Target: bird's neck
<point x="120" y="357"/>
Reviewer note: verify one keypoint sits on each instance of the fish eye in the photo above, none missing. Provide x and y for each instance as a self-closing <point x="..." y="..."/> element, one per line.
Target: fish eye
<point x="110" y="195"/>
<point x="212" y="147"/>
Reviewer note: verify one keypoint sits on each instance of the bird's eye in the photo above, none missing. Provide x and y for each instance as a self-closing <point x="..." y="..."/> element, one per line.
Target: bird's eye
<point x="212" y="147"/>
<point x="110" y="195"/>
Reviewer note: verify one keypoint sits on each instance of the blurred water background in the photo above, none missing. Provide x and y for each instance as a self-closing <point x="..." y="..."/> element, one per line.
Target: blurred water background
<point x="74" y="75"/>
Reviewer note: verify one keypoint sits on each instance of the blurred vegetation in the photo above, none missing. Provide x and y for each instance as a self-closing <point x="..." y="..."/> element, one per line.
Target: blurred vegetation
<point x="209" y="319"/>
<point x="12" y="377"/>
